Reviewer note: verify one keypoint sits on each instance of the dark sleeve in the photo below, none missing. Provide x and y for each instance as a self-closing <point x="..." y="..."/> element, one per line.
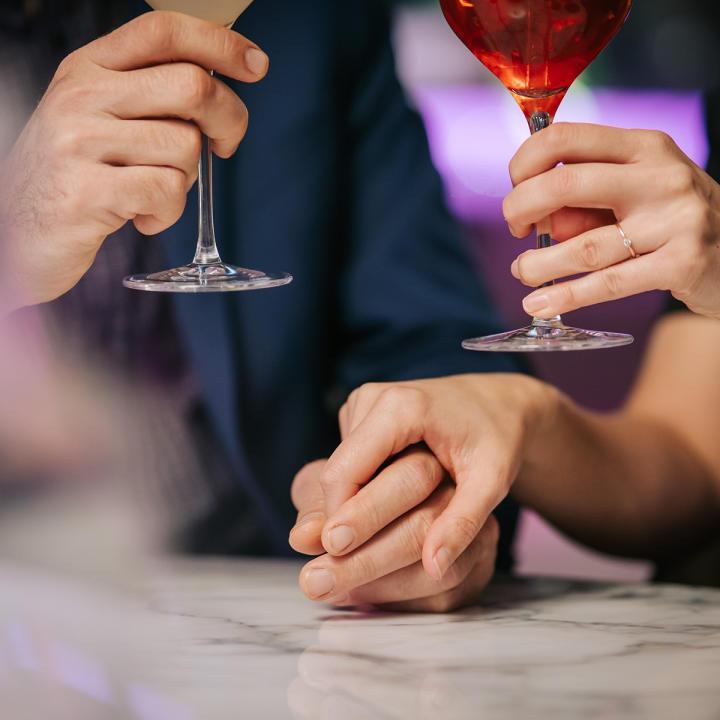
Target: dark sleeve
<point x="410" y="294"/>
<point x="712" y="127"/>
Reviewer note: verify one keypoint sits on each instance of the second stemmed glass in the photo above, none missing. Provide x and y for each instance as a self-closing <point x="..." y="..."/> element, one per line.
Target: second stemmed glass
<point x="207" y="272"/>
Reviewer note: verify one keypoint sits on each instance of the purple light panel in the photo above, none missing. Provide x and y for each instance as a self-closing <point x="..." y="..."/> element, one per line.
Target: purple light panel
<point x="475" y="130"/>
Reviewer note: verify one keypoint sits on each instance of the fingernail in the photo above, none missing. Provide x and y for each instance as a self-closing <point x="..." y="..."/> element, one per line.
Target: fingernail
<point x="535" y="303"/>
<point x="319" y="582"/>
<point x="515" y="268"/>
<point x="257" y="61"/>
<point x="340" y="538"/>
<point x="441" y="561"/>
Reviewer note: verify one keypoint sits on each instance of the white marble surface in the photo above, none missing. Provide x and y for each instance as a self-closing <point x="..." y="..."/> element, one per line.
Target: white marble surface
<point x="237" y="640"/>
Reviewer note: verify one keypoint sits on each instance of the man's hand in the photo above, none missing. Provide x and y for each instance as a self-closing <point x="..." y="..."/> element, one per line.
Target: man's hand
<point x="117" y="138"/>
<point x="381" y="563"/>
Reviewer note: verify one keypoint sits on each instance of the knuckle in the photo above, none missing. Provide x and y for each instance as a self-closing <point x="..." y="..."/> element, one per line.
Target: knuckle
<point x="417" y="470"/>
<point x="191" y="141"/>
<point x="567" y="295"/>
<point x="327" y="479"/>
<point x="518" y="162"/>
<point x="393" y="396"/>
<point x="227" y="146"/>
<point x="564" y="180"/>
<point x="502" y="476"/>
<point x="362" y="567"/>
<point x="403" y="397"/>
<point x="558" y="136"/>
<point x="364" y="393"/>
<point x="75" y="194"/>
<point x="657" y="140"/>
<point x="508" y="208"/>
<point x="588" y="254"/>
<point x="231" y="45"/>
<point x="525" y="275"/>
<point x="514" y="169"/>
<point x="194" y="84"/>
<point x="173" y="185"/>
<point x="351" y="403"/>
<point x="373" y="387"/>
<point x="612" y="282"/>
<point x="408" y="475"/>
<point x="465" y="529"/>
<point x="368" y="511"/>
<point x="357" y="394"/>
<point x="330" y="477"/>
<point x="69" y="141"/>
<point x="165" y="192"/>
<point x="158" y="29"/>
<point x="698" y="216"/>
<point x="177" y="135"/>
<point x="69" y="95"/>
<point x="68" y="65"/>
<point x="243" y="120"/>
<point x="344" y="412"/>
<point x="416" y="533"/>
<point x="307" y="476"/>
<point x="680" y="179"/>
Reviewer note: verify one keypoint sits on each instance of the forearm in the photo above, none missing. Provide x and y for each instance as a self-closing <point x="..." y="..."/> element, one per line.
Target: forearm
<point x="624" y="483"/>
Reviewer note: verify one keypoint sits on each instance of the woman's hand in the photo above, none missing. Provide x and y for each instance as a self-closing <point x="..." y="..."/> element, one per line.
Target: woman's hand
<point x="479" y="428"/>
<point x="665" y="204"/>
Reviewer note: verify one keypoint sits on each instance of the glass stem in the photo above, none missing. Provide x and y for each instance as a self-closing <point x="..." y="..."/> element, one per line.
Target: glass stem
<point x="207" y="252"/>
<point x="539" y="121"/>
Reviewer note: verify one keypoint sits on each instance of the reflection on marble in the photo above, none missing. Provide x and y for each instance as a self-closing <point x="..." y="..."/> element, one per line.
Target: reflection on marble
<point x="239" y="641"/>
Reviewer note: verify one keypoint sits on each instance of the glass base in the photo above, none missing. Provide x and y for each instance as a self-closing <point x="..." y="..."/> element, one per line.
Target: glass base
<point x="215" y="277"/>
<point x="548" y="336"/>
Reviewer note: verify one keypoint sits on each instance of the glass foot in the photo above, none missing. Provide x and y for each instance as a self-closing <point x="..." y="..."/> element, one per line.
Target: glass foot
<point x="548" y="336"/>
<point x="215" y="277"/>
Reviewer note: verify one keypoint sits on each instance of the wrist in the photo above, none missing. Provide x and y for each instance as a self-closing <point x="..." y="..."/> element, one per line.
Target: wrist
<point x="543" y="403"/>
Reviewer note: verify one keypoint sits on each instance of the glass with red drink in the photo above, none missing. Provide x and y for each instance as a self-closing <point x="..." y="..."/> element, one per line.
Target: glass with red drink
<point x="538" y="48"/>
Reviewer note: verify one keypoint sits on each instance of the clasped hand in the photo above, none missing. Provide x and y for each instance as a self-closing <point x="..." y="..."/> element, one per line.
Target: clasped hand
<point x="401" y="514"/>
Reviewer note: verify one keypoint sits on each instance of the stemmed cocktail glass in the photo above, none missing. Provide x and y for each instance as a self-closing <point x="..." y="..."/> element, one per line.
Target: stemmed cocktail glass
<point x="538" y="48"/>
<point x="207" y="272"/>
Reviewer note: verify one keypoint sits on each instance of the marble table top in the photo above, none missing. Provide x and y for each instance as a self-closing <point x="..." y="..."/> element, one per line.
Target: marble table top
<point x="239" y="641"/>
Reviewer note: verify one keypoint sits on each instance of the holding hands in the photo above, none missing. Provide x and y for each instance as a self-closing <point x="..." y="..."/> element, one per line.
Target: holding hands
<point x="401" y="514"/>
<point x="614" y="185"/>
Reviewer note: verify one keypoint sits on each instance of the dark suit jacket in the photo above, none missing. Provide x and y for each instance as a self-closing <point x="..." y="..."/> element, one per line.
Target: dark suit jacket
<point x="334" y="183"/>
